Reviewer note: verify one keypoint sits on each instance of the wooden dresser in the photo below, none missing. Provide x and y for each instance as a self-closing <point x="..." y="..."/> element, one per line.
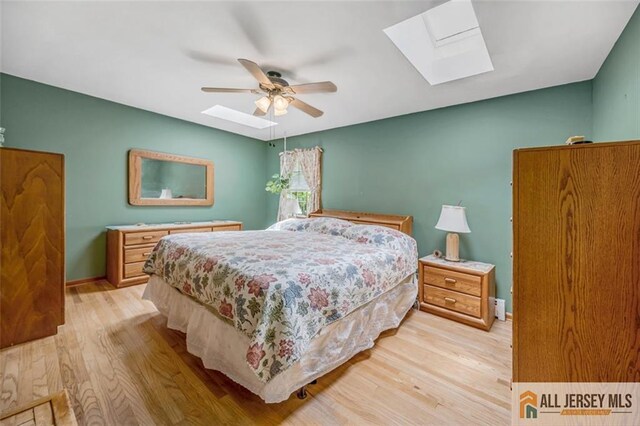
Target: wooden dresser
<point x="462" y="291"/>
<point x="32" y="272"/>
<point x="129" y="246"/>
<point x="576" y="263"/>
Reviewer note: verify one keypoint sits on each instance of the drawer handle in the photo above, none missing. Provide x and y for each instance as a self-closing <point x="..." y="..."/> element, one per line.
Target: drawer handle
<point x="147" y="237"/>
<point x="146" y="254"/>
<point x="450" y="300"/>
<point x="450" y="281"/>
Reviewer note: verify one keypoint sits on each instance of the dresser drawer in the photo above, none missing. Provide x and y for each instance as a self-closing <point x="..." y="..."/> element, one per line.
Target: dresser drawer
<point x="133" y="269"/>
<point x="452" y="300"/>
<point x="226" y="228"/>
<point x="131" y="238"/>
<point x="189" y="230"/>
<point x="452" y="280"/>
<point x="140" y="254"/>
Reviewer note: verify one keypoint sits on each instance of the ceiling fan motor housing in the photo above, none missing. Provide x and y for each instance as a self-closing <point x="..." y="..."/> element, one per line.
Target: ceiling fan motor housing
<point x="276" y="78"/>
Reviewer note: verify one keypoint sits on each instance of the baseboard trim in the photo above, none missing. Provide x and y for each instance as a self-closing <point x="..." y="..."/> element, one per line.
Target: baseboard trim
<point x="74" y="283"/>
<point x="509" y="316"/>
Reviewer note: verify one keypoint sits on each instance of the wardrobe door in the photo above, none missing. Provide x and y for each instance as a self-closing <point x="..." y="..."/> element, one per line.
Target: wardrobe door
<point x="577" y="264"/>
<point x="32" y="238"/>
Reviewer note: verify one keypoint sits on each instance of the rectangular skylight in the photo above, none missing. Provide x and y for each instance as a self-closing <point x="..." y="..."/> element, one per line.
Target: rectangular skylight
<point x="444" y="43"/>
<point x="224" y="113"/>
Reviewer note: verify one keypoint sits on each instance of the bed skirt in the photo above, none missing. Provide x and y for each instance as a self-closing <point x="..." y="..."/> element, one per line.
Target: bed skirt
<point x="223" y="348"/>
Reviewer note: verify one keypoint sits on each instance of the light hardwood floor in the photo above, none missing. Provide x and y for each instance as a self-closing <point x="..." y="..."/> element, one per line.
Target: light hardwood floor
<point x="122" y="366"/>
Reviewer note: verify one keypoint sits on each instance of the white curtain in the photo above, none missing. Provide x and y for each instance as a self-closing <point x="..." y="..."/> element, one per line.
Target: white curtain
<point x="287" y="166"/>
<point x="310" y="166"/>
<point x="309" y="161"/>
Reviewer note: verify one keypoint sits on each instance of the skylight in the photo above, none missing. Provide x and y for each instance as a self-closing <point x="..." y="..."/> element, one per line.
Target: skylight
<point x="444" y="43"/>
<point x="224" y="113"/>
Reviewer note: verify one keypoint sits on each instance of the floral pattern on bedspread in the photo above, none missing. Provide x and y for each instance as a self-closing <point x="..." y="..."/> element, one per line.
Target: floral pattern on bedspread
<point x="281" y="287"/>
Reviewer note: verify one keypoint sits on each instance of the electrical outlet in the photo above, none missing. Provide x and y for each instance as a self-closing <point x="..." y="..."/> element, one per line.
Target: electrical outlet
<point x="500" y="310"/>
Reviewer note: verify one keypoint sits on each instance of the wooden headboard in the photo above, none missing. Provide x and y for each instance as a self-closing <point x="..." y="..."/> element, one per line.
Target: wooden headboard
<point x="399" y="223"/>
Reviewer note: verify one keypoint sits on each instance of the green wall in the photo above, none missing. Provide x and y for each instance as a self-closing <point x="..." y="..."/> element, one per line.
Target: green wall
<point x="616" y="88"/>
<point x="413" y="164"/>
<point x="410" y="164"/>
<point x="95" y="136"/>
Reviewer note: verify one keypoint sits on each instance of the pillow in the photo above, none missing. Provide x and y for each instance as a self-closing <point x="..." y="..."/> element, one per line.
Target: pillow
<point x="290" y="225"/>
<point x="383" y="237"/>
<point x="323" y="225"/>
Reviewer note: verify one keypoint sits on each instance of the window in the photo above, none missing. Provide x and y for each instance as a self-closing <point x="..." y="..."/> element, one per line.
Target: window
<point x="299" y="191"/>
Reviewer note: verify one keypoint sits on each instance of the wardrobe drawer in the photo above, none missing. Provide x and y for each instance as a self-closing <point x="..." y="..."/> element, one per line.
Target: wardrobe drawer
<point x="227" y="228"/>
<point x="133" y="269"/>
<point x="131" y="238"/>
<point x="189" y="230"/>
<point x="452" y="280"/>
<point x="138" y="254"/>
<point x="452" y="300"/>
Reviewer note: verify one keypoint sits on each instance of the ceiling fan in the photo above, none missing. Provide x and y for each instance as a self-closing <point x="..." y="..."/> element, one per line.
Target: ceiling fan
<point x="277" y="92"/>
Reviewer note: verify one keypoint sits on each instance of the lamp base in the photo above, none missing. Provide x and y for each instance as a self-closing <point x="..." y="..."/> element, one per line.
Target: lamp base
<point x="453" y="248"/>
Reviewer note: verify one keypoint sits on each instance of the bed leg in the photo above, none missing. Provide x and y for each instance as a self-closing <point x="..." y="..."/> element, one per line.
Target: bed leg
<point x="302" y="393"/>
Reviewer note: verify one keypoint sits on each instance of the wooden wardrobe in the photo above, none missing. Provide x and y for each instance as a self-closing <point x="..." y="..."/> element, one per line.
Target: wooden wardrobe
<point x="576" y="264"/>
<point x="32" y="224"/>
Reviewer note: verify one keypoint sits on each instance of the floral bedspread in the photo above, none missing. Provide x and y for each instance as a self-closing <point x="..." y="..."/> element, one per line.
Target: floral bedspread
<point x="280" y="287"/>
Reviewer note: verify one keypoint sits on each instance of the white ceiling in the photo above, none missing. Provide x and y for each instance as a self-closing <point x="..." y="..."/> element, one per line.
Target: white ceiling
<point x="157" y="55"/>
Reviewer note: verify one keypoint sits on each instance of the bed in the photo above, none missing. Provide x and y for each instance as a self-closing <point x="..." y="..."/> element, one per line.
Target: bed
<point x="274" y="310"/>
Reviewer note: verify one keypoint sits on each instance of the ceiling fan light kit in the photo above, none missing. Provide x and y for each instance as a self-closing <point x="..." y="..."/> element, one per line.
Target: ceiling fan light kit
<point x="263" y="104"/>
<point x="277" y="92"/>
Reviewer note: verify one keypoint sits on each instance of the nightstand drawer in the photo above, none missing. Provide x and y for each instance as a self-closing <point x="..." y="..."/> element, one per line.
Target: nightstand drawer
<point x="133" y="269"/>
<point x="131" y="238"/>
<point x="452" y="280"/>
<point x="452" y="300"/>
<point x="132" y="255"/>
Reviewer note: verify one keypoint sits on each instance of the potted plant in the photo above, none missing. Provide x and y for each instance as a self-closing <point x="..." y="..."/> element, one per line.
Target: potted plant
<point x="277" y="184"/>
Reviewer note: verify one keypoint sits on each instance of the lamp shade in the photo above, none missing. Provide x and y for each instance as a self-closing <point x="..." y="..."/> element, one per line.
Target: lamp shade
<point x="453" y="219"/>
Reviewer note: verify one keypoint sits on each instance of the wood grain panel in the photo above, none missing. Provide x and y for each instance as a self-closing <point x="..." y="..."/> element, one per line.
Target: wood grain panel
<point x="452" y="280"/>
<point x="32" y="239"/>
<point x="577" y="263"/>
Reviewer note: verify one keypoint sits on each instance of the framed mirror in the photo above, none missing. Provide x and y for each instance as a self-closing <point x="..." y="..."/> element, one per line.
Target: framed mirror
<point x="160" y="179"/>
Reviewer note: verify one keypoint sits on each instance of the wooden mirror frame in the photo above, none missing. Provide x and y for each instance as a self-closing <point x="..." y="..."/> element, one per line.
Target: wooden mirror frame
<point x="135" y="179"/>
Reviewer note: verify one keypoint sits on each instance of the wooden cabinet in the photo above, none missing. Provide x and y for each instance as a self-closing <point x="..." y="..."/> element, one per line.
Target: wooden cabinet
<point x="576" y="265"/>
<point x="32" y="273"/>
<point x="462" y="291"/>
<point x="129" y="246"/>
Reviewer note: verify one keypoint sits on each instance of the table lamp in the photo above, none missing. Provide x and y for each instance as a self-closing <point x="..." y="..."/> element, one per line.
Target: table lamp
<point x="453" y="220"/>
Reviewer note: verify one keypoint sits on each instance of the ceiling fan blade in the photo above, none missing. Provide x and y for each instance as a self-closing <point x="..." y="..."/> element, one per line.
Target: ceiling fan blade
<point x="305" y="107"/>
<point x="321" y="87"/>
<point x="228" y="90"/>
<point x="257" y="73"/>
<point x="259" y="113"/>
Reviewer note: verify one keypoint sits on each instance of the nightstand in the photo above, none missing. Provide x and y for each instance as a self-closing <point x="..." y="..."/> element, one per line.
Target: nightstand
<point x="463" y="291"/>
